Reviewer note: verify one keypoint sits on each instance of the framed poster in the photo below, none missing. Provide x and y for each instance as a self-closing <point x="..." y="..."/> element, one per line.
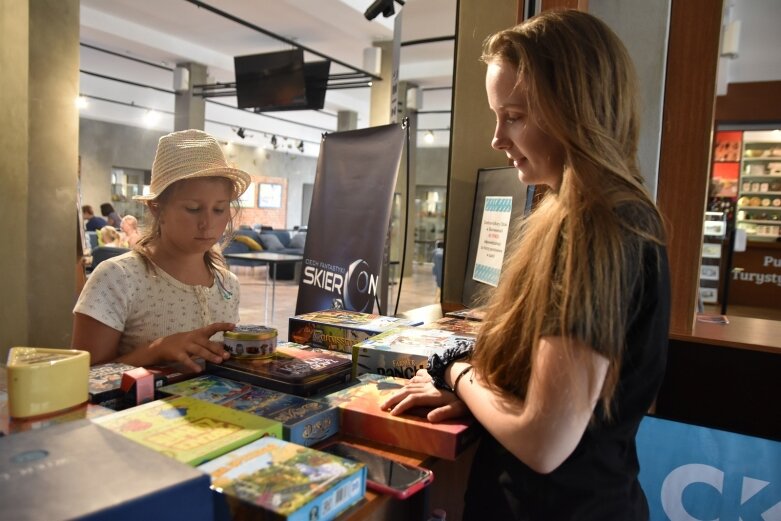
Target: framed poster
<point x="270" y="195"/>
<point x="247" y="199"/>
<point x="500" y="201"/>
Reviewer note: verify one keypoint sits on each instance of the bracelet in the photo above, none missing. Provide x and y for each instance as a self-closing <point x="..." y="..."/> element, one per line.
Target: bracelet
<point x="437" y="363"/>
<point x="458" y="379"/>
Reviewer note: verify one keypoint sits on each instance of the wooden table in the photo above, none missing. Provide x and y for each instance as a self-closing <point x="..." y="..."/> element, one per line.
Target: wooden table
<point x="725" y="376"/>
<point x="270" y="259"/>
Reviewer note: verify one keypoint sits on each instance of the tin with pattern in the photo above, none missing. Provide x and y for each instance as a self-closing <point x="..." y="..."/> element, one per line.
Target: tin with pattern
<point x="250" y="341"/>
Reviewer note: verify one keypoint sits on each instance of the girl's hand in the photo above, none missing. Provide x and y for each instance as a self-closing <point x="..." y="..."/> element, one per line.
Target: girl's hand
<point x="419" y="393"/>
<point x="183" y="347"/>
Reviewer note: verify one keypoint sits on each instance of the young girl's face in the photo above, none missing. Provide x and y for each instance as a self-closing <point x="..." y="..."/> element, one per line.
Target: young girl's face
<point x="194" y="216"/>
<point x="538" y="157"/>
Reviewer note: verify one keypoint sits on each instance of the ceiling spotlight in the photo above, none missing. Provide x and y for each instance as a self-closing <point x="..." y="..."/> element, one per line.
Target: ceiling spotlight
<point x="240" y="132"/>
<point x="301" y="146"/>
<point x="381" y="6"/>
<point x="428" y="137"/>
<point x="81" y="102"/>
<point x="274" y="142"/>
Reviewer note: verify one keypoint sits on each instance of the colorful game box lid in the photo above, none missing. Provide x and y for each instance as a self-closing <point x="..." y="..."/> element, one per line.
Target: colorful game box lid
<point x="274" y="479"/>
<point x="189" y="430"/>
<point x="339" y="329"/>
<point x="304" y="421"/>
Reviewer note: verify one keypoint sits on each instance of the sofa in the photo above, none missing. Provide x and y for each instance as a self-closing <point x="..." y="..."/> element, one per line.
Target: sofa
<point x="276" y="241"/>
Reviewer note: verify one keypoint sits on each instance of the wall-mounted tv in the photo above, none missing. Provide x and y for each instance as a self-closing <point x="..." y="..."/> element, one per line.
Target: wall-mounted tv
<point x="280" y="81"/>
<point x="316" y="81"/>
<point x="270" y="80"/>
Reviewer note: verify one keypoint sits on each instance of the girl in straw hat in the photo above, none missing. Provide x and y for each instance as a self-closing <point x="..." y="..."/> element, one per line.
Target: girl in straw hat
<point x="170" y="298"/>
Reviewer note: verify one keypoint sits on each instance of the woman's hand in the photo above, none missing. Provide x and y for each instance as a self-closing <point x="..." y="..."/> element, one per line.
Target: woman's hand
<point x="420" y="392"/>
<point x="183" y="347"/>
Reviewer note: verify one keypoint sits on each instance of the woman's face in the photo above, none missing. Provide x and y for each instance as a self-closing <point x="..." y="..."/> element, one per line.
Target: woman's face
<point x="537" y="156"/>
<point x="194" y="216"/>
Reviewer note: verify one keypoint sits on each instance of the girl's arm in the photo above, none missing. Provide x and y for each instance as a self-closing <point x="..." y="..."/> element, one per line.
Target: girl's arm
<point x="542" y="430"/>
<point x="102" y="342"/>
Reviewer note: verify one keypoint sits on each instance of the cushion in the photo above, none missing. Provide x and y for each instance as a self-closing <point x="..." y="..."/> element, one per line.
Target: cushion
<point x="270" y="241"/>
<point x="298" y="241"/>
<point x="251" y="243"/>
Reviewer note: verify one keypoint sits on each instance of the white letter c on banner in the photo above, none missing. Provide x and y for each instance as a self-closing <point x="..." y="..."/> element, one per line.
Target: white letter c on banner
<point x="680" y="478"/>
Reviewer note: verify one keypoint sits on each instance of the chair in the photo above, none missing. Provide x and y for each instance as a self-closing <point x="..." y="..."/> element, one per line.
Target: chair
<point x="93" y="240"/>
<point x="102" y="253"/>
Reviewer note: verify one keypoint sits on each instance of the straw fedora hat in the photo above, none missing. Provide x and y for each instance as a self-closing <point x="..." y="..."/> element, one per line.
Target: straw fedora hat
<point x="188" y="154"/>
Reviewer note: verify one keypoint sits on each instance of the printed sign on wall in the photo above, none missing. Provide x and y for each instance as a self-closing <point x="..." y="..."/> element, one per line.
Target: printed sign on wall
<point x="493" y="239"/>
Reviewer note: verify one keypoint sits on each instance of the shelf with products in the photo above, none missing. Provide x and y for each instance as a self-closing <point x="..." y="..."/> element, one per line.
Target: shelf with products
<point x="759" y="188"/>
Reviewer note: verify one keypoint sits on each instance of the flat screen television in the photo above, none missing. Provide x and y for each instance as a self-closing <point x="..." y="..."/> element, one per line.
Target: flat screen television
<point x="500" y="184"/>
<point x="316" y="82"/>
<point x="271" y="80"/>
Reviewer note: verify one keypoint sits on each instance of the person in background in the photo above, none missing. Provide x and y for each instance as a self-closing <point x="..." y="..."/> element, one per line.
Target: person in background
<point x="92" y="222"/>
<point x="169" y="299"/>
<point x="572" y="350"/>
<point x="112" y="217"/>
<point x="109" y="236"/>
<point x="129" y="227"/>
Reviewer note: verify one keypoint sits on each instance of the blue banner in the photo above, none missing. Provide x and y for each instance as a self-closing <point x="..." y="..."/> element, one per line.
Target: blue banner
<point x="692" y="473"/>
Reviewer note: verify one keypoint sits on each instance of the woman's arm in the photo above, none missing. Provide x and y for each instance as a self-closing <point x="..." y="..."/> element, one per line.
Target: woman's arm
<point x="542" y="430"/>
<point x="102" y="342"/>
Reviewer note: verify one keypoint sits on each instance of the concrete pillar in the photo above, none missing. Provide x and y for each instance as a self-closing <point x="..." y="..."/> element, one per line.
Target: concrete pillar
<point x="473" y="126"/>
<point x="346" y="120"/>
<point x="381" y="91"/>
<point x="189" y="110"/>
<point x="39" y="57"/>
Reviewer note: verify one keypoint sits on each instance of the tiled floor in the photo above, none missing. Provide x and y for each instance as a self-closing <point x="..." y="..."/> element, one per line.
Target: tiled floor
<point x="418" y="290"/>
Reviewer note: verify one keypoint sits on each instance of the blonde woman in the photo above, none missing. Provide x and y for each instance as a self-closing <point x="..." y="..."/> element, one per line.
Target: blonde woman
<point x="169" y="299"/>
<point x="573" y="347"/>
<point x="129" y="227"/>
<point x="109" y="236"/>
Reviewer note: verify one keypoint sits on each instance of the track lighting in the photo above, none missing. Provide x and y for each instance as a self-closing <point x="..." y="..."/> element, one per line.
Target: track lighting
<point x="301" y="146"/>
<point x="240" y="132"/>
<point x="274" y="141"/>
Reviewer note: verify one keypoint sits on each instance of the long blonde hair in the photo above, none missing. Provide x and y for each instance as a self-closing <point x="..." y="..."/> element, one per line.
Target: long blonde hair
<point x="574" y="268"/>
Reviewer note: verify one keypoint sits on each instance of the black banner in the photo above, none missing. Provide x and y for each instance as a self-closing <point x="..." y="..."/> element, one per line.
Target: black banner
<point x="348" y="220"/>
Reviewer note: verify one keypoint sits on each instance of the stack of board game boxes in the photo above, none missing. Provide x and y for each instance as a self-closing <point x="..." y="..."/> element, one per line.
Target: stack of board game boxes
<point x="252" y="425"/>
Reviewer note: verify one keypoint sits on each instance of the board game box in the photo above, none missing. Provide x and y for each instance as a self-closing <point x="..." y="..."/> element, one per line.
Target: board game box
<point x="304" y="421"/>
<point x="402" y="351"/>
<point x="362" y="417"/>
<point x="189" y="430"/>
<point x="467" y="313"/>
<point x="275" y="479"/>
<point x="105" y="383"/>
<point x="10" y="425"/>
<point x="79" y="470"/>
<point x="339" y="329"/>
<point x="458" y="326"/>
<point x="302" y="372"/>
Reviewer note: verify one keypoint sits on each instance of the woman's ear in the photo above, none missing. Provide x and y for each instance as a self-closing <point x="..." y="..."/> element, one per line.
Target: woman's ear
<point x="154" y="208"/>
